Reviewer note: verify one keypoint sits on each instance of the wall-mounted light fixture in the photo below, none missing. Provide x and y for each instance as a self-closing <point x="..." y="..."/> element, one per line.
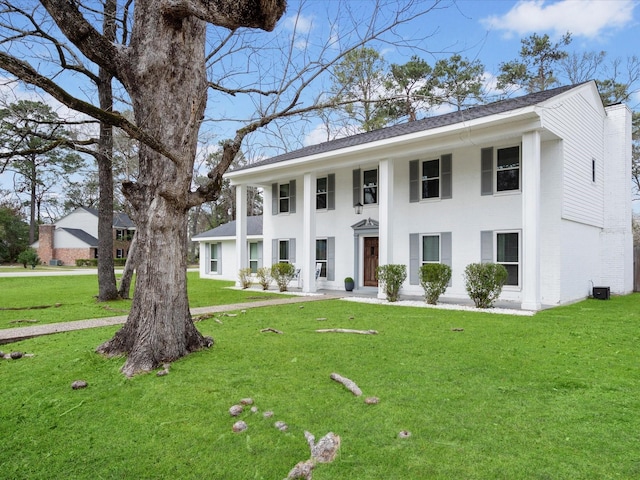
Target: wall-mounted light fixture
<point x="358" y="208"/>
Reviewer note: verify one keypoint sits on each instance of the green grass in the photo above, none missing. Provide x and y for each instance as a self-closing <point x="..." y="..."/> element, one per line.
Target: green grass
<point x="76" y="294"/>
<point x="553" y="396"/>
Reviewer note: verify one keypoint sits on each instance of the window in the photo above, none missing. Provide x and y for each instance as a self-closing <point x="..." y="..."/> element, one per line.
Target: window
<point x="430" y="249"/>
<point x="119" y="253"/>
<point x="507" y="254"/>
<point x="370" y="187"/>
<point x="431" y="179"/>
<point x="508" y="169"/>
<point x="434" y="181"/>
<point x="283" y="251"/>
<point x="121" y="234"/>
<point x="283" y="198"/>
<point x="214" y="257"/>
<point x="253" y="257"/>
<point x="321" y="256"/>
<point x="321" y="193"/>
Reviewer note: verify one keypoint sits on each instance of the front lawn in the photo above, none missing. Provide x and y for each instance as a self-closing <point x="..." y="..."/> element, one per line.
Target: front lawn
<point x="76" y="295"/>
<point x="553" y="396"/>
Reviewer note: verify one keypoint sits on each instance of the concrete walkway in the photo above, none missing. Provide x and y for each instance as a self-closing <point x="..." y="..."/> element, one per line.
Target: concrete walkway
<point x="21" y="333"/>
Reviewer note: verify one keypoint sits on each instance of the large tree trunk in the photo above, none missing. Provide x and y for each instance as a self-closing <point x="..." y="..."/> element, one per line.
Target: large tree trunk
<point x="167" y="83"/>
<point x="106" y="276"/>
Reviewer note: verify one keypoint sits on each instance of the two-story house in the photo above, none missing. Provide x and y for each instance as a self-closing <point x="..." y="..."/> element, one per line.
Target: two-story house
<point x="75" y="236"/>
<point x="539" y="183"/>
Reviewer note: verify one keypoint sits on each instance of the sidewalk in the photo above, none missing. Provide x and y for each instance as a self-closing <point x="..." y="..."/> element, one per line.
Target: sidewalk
<point x="22" y="333"/>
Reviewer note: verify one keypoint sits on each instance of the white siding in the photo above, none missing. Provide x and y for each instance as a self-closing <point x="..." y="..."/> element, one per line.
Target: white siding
<point x="80" y="219"/>
<point x="579" y="120"/>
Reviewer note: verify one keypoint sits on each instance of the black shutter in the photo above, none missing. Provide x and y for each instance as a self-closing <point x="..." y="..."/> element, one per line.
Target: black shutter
<point x="275" y="196"/>
<point x="414" y="181"/>
<point x="445" y="176"/>
<point x="486" y="179"/>
<point x="292" y="196"/>
<point x="331" y="191"/>
<point x="356" y="186"/>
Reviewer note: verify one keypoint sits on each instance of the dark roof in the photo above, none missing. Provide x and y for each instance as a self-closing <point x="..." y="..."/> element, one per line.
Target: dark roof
<point x="83" y="236"/>
<point x="120" y="219"/>
<point x="429" y="123"/>
<point x="254" y="227"/>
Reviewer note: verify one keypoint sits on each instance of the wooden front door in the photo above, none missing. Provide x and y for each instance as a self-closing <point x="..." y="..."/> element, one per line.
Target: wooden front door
<point x="370" y="261"/>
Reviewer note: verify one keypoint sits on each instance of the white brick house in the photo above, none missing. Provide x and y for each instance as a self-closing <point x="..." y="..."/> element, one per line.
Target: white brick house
<point x="539" y="183"/>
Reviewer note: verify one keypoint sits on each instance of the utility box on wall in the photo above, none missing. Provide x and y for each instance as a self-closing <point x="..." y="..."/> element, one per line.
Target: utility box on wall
<point x="601" y="293"/>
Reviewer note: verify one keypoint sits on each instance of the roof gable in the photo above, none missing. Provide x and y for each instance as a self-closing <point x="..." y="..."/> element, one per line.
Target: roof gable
<point x="82" y="236"/>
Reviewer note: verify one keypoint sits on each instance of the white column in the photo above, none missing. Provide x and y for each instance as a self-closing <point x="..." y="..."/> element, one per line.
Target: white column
<point x="242" y="260"/>
<point x="385" y="212"/>
<point x="308" y="265"/>
<point x="530" y="258"/>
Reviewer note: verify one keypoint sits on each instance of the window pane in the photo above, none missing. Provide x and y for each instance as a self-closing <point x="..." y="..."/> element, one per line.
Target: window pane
<point x="431" y="248"/>
<point x="321" y="201"/>
<point x="321" y="250"/>
<point x="321" y="185"/>
<point x="431" y="188"/>
<point x="370" y="185"/>
<point x="508" y="180"/>
<point x="508" y="158"/>
<point x="214" y="251"/>
<point x="430" y="169"/>
<point x="507" y="247"/>
<point x="284" y="190"/>
<point x="508" y="169"/>
<point x="284" y="205"/>
<point x="253" y="251"/>
<point x="253" y="265"/>
<point x="512" y="274"/>
<point x="284" y="251"/>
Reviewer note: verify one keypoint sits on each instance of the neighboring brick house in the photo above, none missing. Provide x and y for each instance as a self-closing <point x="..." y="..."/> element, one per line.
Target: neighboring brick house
<point x="75" y="237"/>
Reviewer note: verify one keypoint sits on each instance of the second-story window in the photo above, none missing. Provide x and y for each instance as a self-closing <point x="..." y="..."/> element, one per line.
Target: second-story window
<point x="370" y="186"/>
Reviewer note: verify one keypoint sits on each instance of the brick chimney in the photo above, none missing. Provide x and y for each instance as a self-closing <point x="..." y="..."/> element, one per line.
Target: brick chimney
<point x="45" y="242"/>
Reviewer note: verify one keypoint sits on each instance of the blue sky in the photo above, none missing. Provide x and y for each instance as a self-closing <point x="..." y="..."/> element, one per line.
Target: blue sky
<point x="489" y="31"/>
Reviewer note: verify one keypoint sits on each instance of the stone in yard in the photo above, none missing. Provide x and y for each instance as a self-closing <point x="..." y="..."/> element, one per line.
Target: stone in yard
<point x="246" y="401"/>
<point x="267" y="414"/>
<point x="15" y="355"/>
<point x="404" y="434"/>
<point x="78" y="384"/>
<point x="239" y="426"/>
<point x="236" y="410"/>
<point x="371" y="400"/>
<point x="281" y="426"/>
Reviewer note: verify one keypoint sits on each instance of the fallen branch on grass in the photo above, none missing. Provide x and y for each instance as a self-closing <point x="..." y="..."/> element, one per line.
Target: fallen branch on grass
<point x="324" y="451"/>
<point x="347" y="330"/>
<point x="24" y="321"/>
<point x="265" y="330"/>
<point x="37" y="307"/>
<point x="349" y="384"/>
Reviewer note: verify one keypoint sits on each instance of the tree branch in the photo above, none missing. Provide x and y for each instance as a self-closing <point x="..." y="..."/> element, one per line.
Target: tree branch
<point x="27" y="74"/>
<point x="82" y="34"/>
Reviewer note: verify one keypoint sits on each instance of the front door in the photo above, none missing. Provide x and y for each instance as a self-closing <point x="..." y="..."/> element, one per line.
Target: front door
<point x="370" y="261"/>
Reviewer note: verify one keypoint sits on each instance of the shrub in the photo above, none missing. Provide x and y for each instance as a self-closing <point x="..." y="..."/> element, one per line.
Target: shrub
<point x="87" y="262"/>
<point x="29" y="257"/>
<point x="434" y="278"/>
<point x="392" y="276"/>
<point x="244" y="275"/>
<point x="283" y="273"/>
<point x="484" y="282"/>
<point x="264" y="277"/>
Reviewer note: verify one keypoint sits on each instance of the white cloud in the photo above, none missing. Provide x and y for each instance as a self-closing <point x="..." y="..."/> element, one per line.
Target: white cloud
<point x="300" y="24"/>
<point x="583" y="18"/>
